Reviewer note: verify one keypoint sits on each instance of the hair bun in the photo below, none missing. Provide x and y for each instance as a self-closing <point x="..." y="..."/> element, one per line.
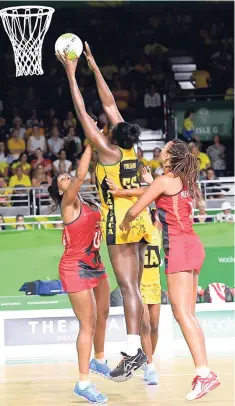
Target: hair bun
<point x="135" y="130"/>
<point x="132" y="135"/>
<point x="126" y="135"/>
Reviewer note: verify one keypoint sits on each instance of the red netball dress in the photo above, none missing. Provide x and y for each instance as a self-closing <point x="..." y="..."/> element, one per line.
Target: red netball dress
<point x="81" y="267"/>
<point x="183" y="248"/>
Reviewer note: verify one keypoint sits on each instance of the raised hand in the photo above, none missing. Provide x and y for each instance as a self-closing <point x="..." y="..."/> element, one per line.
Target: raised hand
<point x="147" y="176"/>
<point x="69" y="65"/>
<point x="90" y="58"/>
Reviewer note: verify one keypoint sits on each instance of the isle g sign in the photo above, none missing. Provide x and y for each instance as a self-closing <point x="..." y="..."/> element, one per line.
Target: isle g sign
<point x="210" y="118"/>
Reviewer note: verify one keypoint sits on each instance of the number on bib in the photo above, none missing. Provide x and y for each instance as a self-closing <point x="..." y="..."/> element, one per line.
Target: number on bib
<point x="129" y="174"/>
<point x="97" y="239"/>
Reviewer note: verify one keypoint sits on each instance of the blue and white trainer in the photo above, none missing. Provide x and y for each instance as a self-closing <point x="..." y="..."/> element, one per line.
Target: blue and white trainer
<point x="90" y="394"/>
<point x="100" y="369"/>
<point x="152" y="378"/>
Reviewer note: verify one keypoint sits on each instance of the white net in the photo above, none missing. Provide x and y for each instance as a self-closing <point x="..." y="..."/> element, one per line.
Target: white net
<point x="26" y="28"/>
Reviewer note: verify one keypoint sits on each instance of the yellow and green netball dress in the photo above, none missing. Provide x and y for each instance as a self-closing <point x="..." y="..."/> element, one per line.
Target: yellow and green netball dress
<point x="150" y="287"/>
<point x="113" y="208"/>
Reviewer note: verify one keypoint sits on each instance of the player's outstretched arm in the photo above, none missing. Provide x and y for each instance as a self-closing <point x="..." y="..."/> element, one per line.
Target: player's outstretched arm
<point x="92" y="133"/>
<point x="80" y="175"/>
<point x="151" y="193"/>
<point x="107" y="99"/>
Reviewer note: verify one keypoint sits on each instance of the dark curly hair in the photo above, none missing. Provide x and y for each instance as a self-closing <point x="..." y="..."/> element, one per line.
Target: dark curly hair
<point x="126" y="135"/>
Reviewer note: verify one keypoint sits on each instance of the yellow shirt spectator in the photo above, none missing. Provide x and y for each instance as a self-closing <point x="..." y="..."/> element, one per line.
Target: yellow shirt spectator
<point x="25" y="166"/>
<point x="144" y="161"/>
<point x="188" y="124"/>
<point x="229" y="95"/>
<point x="16" y="144"/>
<point x="19" y="180"/>
<point x="4" y="168"/>
<point x="28" y="132"/>
<point x="140" y="155"/>
<point x="201" y="78"/>
<point x="204" y="161"/>
<point x="154" y="164"/>
<point x="4" y="199"/>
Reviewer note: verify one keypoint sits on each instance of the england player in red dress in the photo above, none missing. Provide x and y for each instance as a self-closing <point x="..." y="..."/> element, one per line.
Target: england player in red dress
<point x="83" y="274"/>
<point x="184" y="253"/>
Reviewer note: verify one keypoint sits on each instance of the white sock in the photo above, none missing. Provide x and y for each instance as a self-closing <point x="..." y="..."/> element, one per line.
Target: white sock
<point x="84" y="384"/>
<point x="151" y="367"/>
<point x="101" y="360"/>
<point x="203" y="371"/>
<point x="133" y="344"/>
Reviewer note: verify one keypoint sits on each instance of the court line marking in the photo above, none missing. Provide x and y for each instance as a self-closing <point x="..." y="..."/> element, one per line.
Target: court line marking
<point x="49" y="378"/>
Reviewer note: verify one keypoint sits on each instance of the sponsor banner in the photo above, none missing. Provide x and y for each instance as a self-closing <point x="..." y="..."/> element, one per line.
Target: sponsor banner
<point x="226" y="260"/>
<point x="55" y="330"/>
<point x="38" y="253"/>
<point x="210" y="118"/>
<point x="215" y="324"/>
<point x="218" y="266"/>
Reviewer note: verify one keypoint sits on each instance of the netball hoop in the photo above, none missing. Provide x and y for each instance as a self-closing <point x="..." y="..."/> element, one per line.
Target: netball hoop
<point x="26" y="27"/>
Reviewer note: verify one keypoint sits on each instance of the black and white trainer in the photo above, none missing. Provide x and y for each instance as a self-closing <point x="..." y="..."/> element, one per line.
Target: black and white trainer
<point x="127" y="366"/>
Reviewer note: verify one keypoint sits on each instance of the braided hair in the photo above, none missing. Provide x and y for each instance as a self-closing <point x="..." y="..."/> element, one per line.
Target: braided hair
<point x="185" y="165"/>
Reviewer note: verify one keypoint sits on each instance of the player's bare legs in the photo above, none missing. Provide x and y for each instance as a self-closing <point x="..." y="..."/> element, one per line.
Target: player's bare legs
<point x="125" y="261"/>
<point x="182" y="291"/>
<point x="99" y="364"/>
<point x="180" y="288"/>
<point x="145" y="335"/>
<point x="84" y="307"/>
<point x="102" y="296"/>
<point x="149" y="337"/>
<point x="154" y="311"/>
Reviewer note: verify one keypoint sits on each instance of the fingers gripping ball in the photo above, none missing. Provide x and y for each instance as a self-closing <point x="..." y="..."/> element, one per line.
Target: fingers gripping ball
<point x="69" y="44"/>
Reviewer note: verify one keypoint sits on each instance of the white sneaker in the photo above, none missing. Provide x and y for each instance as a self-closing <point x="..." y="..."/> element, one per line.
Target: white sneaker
<point x="202" y="386"/>
<point x="152" y="378"/>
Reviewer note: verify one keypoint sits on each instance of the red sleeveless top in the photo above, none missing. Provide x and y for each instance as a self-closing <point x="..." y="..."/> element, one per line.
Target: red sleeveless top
<point x="176" y="212"/>
<point x="82" y="239"/>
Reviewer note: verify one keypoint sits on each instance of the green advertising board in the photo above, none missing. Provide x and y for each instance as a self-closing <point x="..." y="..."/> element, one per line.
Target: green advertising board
<point x="34" y="254"/>
<point x="210" y="117"/>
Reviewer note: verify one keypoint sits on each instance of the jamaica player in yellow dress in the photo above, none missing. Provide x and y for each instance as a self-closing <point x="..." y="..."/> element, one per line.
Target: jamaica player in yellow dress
<point x="117" y="160"/>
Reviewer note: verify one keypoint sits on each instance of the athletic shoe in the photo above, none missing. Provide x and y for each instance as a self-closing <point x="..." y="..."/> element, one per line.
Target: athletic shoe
<point x="202" y="386"/>
<point x="128" y="364"/>
<point x="90" y="394"/>
<point x="100" y="369"/>
<point x="152" y="378"/>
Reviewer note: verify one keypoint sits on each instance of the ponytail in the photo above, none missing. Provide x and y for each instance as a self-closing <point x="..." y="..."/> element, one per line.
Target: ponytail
<point x="54" y="194"/>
